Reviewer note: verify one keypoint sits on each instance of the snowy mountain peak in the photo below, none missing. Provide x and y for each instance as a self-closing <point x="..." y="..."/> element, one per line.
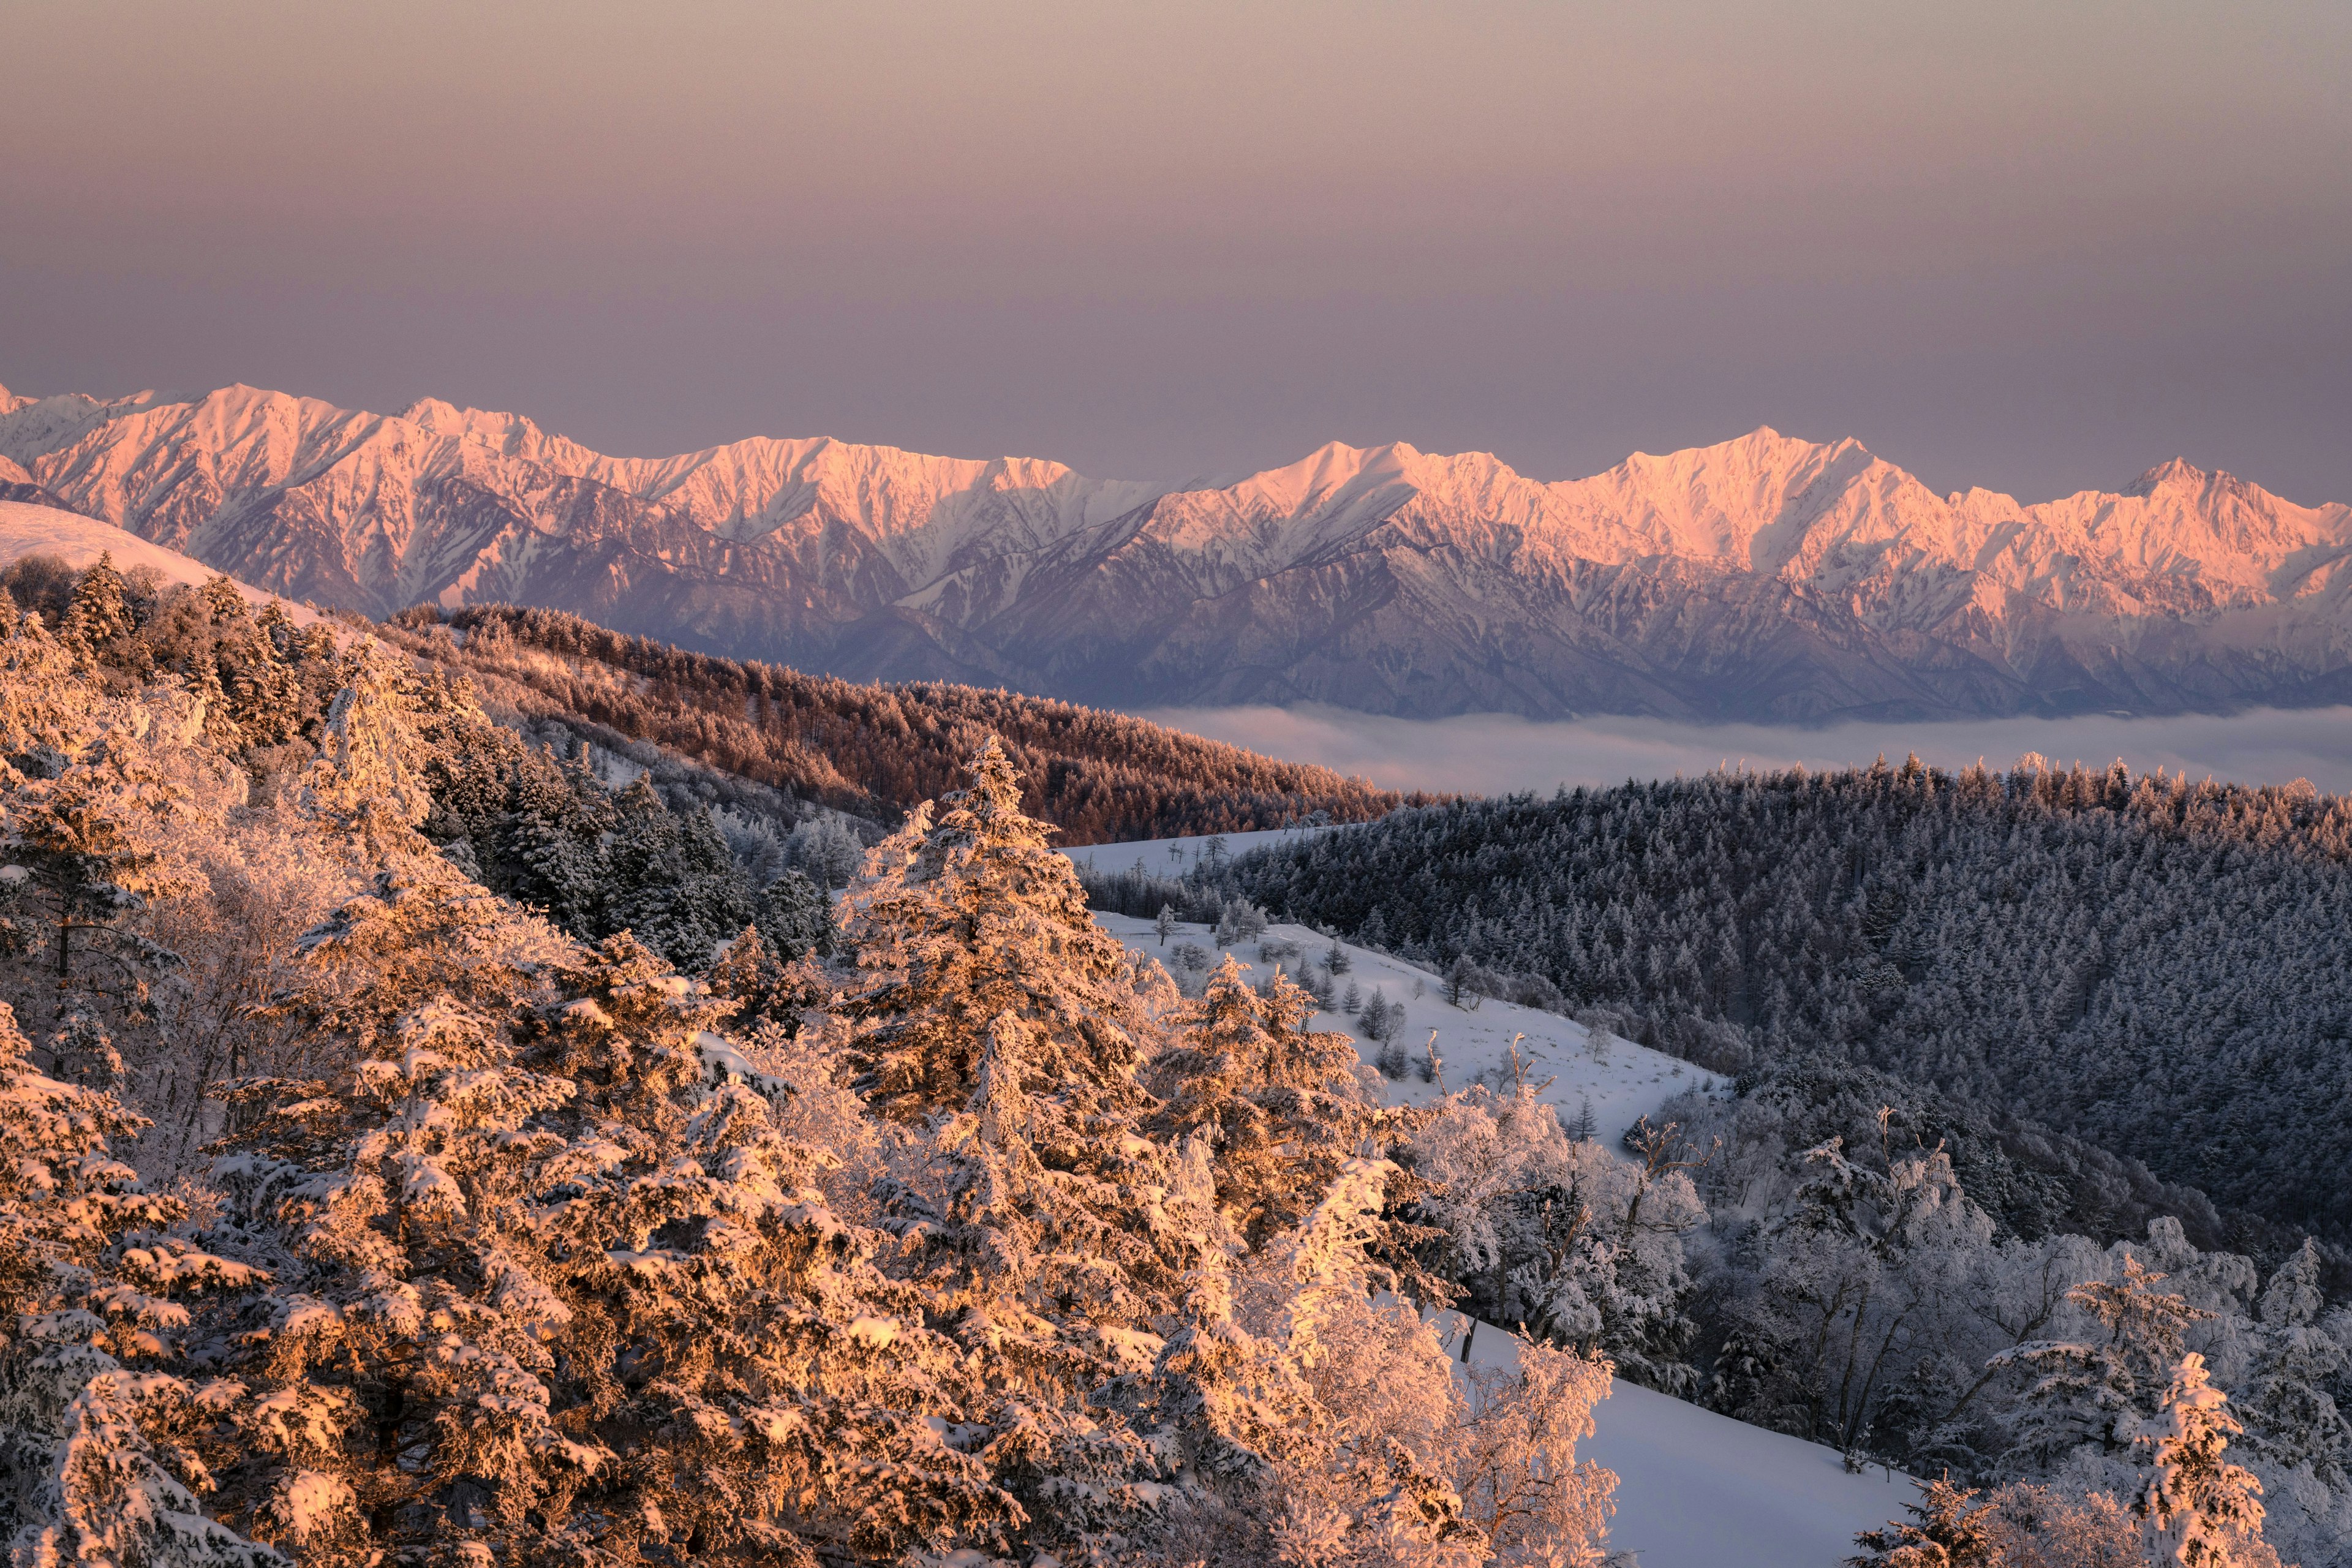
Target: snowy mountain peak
<point x="1767" y="576"/>
<point x="2174" y="474"/>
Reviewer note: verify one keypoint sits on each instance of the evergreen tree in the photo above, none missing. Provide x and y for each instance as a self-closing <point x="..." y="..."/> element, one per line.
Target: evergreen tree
<point x="670" y="880"/>
<point x="368" y="784"/>
<point x="1056" y="1237"/>
<point x="557" y="1288"/>
<point x="95" y="1466"/>
<point x="2292" y="1400"/>
<point x="1948" y="1527"/>
<point x="1279" y="1105"/>
<point x="2091" y="1391"/>
<point x="90" y="800"/>
<point x="795" y="917"/>
<point x="99" y="617"/>
<point x="2202" y="1508"/>
<point x="555" y="826"/>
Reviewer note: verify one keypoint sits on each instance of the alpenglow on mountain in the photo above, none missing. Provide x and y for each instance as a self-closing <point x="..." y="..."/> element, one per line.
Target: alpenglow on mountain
<point x="1765" y="578"/>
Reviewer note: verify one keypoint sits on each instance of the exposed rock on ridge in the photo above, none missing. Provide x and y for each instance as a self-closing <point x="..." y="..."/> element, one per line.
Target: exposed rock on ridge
<point x="1763" y="578"/>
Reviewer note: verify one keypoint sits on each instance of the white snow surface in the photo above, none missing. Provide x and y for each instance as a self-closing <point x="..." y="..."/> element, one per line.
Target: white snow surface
<point x="1623" y="1082"/>
<point x="79" y="541"/>
<point x="1152" y="854"/>
<point x="1696" y="1489"/>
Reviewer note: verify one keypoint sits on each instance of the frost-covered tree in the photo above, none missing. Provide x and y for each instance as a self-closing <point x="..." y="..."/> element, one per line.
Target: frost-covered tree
<point x="2205" y="1510"/>
<point x="795" y="917"/>
<point x="553" y="1284"/>
<point x="1949" y="1527"/>
<point x="825" y="850"/>
<point x="94" y="1462"/>
<point x="368" y="784"/>
<point x="95" y="793"/>
<point x="669" y="878"/>
<point x="971" y="918"/>
<point x="1282" y="1107"/>
<point x="1052" y="1236"/>
<point x="2092" y="1390"/>
<point x="1579" y="1245"/>
<point x="99" y="617"/>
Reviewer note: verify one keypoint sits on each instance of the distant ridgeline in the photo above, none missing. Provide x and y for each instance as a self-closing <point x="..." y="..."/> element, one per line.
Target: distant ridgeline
<point x="2163" y="967"/>
<point x="875" y="750"/>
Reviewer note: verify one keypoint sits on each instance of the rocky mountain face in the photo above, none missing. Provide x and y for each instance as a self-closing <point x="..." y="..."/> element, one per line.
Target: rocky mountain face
<point x="1765" y="578"/>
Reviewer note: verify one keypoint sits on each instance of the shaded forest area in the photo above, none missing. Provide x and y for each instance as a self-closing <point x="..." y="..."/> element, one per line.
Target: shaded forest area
<point x="2162" y="967"/>
<point x="873" y="751"/>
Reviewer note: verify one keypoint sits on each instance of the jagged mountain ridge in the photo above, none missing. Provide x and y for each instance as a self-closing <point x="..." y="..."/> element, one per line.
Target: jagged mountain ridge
<point x="1766" y="577"/>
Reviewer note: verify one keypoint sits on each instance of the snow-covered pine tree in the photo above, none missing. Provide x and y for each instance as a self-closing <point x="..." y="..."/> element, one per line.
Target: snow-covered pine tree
<point x="95" y="1467"/>
<point x="90" y="791"/>
<point x="553" y="1286"/>
<point x="795" y="917"/>
<point x="1054" y="1236"/>
<point x="2206" y="1511"/>
<point x="2290" y="1402"/>
<point x="670" y="880"/>
<point x="971" y="918"/>
<point x="552" y="847"/>
<point x="368" y="786"/>
<point x="1949" y="1527"/>
<point x="99" y="617"/>
<point x="2089" y="1390"/>
<point x="1280" y="1105"/>
<point x="825" y="850"/>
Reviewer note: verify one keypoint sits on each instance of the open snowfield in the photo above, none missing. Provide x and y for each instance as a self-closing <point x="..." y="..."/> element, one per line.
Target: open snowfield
<point x="79" y="541"/>
<point x="1622" y="1081"/>
<point x="1696" y="1489"/>
<point x="1152" y="854"/>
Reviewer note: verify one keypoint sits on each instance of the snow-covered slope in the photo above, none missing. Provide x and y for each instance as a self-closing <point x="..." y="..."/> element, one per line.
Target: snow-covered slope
<point x="79" y="541"/>
<point x="1154" y="854"/>
<point x="1575" y="1068"/>
<point x="1766" y="577"/>
<point x="1696" y="1489"/>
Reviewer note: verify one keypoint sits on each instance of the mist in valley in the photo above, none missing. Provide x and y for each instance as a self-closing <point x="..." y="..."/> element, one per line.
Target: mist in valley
<point x="1490" y="753"/>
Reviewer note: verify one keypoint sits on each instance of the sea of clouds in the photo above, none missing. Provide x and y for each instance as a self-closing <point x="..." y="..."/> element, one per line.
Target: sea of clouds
<point x="1489" y="753"/>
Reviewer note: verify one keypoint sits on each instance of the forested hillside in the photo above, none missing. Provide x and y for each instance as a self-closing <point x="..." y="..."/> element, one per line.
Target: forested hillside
<point x="353" y="1213"/>
<point x="876" y="750"/>
<point x="2160" y="966"/>
<point x="428" y="1147"/>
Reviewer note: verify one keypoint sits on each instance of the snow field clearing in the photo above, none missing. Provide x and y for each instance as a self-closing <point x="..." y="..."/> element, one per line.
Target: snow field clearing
<point x="1153" y="854"/>
<point x="1696" y="1489"/>
<point x="1622" y="1081"/>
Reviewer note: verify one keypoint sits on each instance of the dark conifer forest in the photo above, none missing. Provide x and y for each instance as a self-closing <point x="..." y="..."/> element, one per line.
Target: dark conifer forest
<point x="2160" y="966"/>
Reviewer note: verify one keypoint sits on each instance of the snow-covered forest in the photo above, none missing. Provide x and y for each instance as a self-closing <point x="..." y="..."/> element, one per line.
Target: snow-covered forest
<point x="427" y="1147"/>
<point x="2161" y="967"/>
<point x="876" y="750"/>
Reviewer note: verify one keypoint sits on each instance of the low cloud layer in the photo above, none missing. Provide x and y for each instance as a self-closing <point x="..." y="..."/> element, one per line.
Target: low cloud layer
<point x="1494" y="754"/>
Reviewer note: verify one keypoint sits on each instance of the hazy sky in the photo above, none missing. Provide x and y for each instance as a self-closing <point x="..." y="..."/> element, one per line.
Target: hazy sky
<point x="2030" y="245"/>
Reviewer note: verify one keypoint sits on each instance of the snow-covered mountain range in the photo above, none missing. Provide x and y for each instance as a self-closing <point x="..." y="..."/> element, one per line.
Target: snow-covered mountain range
<point x="1765" y="578"/>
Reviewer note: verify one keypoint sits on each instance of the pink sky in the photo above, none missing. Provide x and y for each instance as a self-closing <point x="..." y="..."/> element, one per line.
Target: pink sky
<point x="2028" y="246"/>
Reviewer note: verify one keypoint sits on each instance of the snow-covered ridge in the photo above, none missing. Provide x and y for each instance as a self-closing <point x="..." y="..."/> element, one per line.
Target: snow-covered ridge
<point x="79" y="541"/>
<point x="1764" y="577"/>
<point x="1579" y="1070"/>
